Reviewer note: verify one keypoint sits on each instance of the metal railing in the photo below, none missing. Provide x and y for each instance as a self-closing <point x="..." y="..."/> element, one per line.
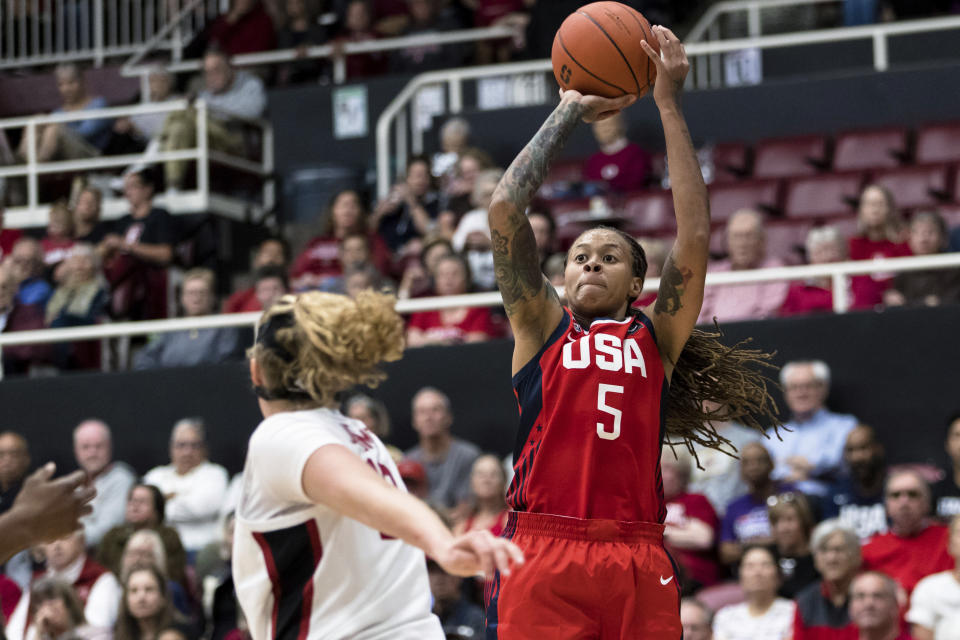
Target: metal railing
<point x="397" y="121"/>
<point x="42" y="32"/>
<point x="709" y="26"/>
<point x="34" y="213"/>
<point x="838" y="272"/>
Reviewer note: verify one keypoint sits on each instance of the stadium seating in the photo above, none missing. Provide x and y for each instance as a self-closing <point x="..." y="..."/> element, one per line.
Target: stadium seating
<point x="649" y="212"/>
<point x="917" y="186"/>
<point x="731" y="161"/>
<point x="820" y="196"/>
<point x="796" y="156"/>
<point x="870" y="149"/>
<point x="726" y="199"/>
<point x="938" y="143"/>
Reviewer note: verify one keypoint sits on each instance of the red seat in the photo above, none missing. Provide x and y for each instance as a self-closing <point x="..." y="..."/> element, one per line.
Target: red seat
<point x="847" y="226"/>
<point x="731" y="161"/>
<point x="562" y="209"/>
<point x="726" y="199"/>
<point x="870" y="149"/>
<point x="797" y="156"/>
<point x="649" y="211"/>
<point x="919" y="186"/>
<point x="786" y="239"/>
<point x="938" y="143"/>
<point x="817" y="196"/>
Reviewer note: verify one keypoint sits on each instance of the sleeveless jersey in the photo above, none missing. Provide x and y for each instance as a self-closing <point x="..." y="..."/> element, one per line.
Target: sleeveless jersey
<point x="303" y="571"/>
<point x="591" y="423"/>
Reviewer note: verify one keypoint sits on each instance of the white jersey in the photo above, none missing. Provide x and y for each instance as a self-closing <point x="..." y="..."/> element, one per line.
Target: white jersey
<point x="304" y="571"/>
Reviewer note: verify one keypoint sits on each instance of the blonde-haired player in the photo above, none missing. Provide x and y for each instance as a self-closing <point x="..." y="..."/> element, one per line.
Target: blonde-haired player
<point x="328" y="544"/>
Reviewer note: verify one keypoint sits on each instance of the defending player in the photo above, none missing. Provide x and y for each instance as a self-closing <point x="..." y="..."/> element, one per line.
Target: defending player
<point x="314" y="550"/>
<point x="592" y="383"/>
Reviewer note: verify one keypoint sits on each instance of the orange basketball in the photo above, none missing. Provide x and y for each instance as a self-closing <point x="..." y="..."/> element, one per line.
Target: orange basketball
<point x="597" y="51"/>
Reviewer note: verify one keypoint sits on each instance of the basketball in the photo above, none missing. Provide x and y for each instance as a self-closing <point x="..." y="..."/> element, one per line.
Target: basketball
<point x="597" y="51"/>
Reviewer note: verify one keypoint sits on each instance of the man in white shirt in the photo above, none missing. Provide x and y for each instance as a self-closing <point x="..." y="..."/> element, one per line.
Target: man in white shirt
<point x="935" y="602"/>
<point x="194" y="487"/>
<point x="93" y="449"/>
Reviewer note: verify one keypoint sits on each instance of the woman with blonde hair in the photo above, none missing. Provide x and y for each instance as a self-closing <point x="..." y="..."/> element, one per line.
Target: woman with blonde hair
<point x="880" y="235"/>
<point x="328" y="544"/>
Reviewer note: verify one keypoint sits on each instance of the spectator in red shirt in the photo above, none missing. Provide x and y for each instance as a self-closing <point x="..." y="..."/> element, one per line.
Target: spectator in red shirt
<point x="358" y="27"/>
<point x="8" y="237"/>
<point x="914" y="547"/>
<point x="822" y="612"/>
<point x="59" y="240"/>
<point x="16" y="316"/>
<point x="791" y="522"/>
<point x="691" y="526"/>
<point x="621" y="164"/>
<point x="928" y="235"/>
<point x="245" y="28"/>
<point x="457" y="325"/>
<point x="270" y="252"/>
<point x="418" y="276"/>
<point x="880" y="236"/>
<point x="354" y="254"/>
<point x="824" y="245"/>
<point x="346" y="215"/>
<point x="874" y="608"/>
<point x="487" y="508"/>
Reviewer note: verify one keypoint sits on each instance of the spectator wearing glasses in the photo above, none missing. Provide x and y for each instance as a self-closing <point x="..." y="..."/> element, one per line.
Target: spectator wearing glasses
<point x="914" y="547"/>
<point x="193" y="487"/>
<point x="935" y="603"/>
<point x="822" y="612"/>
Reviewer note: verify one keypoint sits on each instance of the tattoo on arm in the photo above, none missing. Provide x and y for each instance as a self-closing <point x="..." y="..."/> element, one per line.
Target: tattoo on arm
<point x="673" y="283"/>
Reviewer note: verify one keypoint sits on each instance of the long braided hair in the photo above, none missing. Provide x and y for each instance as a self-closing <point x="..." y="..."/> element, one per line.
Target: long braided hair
<point x="712" y="382"/>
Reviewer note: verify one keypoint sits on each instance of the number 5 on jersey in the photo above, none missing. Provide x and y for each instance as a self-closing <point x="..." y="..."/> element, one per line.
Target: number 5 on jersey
<point x="602" y="406"/>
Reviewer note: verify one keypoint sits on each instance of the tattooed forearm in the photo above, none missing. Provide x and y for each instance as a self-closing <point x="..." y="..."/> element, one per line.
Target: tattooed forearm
<point x="517" y="266"/>
<point x="673" y="282"/>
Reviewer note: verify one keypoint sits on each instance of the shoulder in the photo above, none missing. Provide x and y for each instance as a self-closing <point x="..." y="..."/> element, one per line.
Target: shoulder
<point x="214" y="470"/>
<point x="158" y="473"/>
<point x="784" y="606"/>
<point x="934" y="585"/>
<point x="809" y="594"/>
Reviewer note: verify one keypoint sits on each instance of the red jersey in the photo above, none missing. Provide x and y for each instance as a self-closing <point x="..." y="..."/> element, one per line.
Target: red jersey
<point x="591" y="423"/>
<point x="868" y="289"/>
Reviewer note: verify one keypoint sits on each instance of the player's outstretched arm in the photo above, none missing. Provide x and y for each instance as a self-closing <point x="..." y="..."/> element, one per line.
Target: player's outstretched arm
<point x="44" y="510"/>
<point x="680" y="297"/>
<point x="336" y="477"/>
<point x="530" y="301"/>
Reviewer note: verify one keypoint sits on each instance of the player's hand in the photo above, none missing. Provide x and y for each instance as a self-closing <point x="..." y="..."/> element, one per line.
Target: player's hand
<point x="672" y="65"/>
<point x="479" y="552"/>
<point x="50" y="509"/>
<point x="596" y="107"/>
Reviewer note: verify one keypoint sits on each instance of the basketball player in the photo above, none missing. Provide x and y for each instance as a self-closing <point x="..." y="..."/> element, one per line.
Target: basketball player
<point x="328" y="544"/>
<point x="591" y="382"/>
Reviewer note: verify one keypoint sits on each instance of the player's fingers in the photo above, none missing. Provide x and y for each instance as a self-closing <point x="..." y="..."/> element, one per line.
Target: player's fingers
<point x="502" y="558"/>
<point x="44" y="473"/>
<point x="85" y="494"/>
<point x="73" y="480"/>
<point x="651" y="53"/>
<point x="661" y="37"/>
<point x="668" y="34"/>
<point x="482" y="545"/>
<point x="516" y="554"/>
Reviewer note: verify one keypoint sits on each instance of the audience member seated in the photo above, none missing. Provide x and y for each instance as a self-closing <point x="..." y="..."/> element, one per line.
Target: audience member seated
<point x="58" y="241"/>
<point x="145" y="509"/>
<point x="14" y="316"/>
<point x="146" y="547"/>
<point x="97" y="588"/>
<point x="460" y="617"/>
<point x="746" y="250"/>
<point x="696" y="619"/>
<point x="791" y="522"/>
<point x="361" y="278"/>
<point x="245" y="28"/>
<point x="459" y="324"/>
<point x="880" y="235"/>
<point x="146" y="607"/>
<point x="656" y="251"/>
<point x="620" y="164"/>
<point x="410" y="211"/>
<point x="809" y="450"/>
<point x="358" y="27"/>
<point x="8" y="237"/>
<point x="815" y="295"/>
<point x="193" y="486"/>
<point x="544" y="232"/>
<point x="472" y="236"/>
<point x="746" y="520"/>
<point x="419" y="275"/>
<point x="270" y="284"/>
<point x="93" y="450"/>
<point x="427" y="17"/>
<point x="142" y="131"/>
<point x="346" y="215"/>
<point x="717" y="473"/>
<point x="488" y="505"/>
<point x="927" y="236"/>
<point x="874" y="607"/>
<point x="14" y="463"/>
<point x="76" y="139"/>
<point x="191" y="347"/>
<point x="946" y="491"/>
<point x="87" y="226"/>
<point x="300" y="31"/>
<point x="822" y="612"/>
<point x="764" y="615"/>
<point x="137" y="252"/>
<point x="856" y="499"/>
<point x="26" y="266"/>
<point x="56" y="612"/>
<point x="914" y="547"/>
<point x="80" y="299"/>
<point x="454" y="138"/>
<point x="228" y="93"/>
<point x="223" y="614"/>
<point x="447" y="460"/>
<point x="353" y="253"/>
<point x="458" y="191"/>
<point x="271" y="252"/>
<point x="371" y="412"/>
<point x="691" y="524"/>
<point x="935" y="603"/>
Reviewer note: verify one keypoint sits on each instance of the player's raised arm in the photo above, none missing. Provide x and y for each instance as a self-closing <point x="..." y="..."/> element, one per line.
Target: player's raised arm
<point x="530" y="301"/>
<point x="680" y="297"/>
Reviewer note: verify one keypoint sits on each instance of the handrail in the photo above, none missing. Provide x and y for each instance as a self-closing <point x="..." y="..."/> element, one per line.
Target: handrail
<point x="752" y="7"/>
<point x="838" y="271"/>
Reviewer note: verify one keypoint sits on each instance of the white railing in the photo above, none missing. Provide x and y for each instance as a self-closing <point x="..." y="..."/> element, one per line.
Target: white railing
<point x="710" y="23"/>
<point x="838" y="273"/>
<point x="34" y="213"/>
<point x="43" y="32"/>
<point x="397" y="120"/>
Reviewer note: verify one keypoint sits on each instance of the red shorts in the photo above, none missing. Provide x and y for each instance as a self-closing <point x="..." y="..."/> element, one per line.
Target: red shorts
<point x="585" y="579"/>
